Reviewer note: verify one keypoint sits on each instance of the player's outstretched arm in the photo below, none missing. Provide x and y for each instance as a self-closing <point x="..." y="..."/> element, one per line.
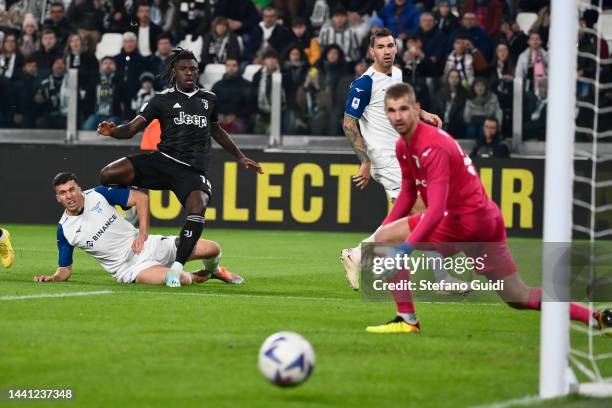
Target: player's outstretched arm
<point x="353" y="134"/>
<point x="140" y="200"/>
<point x="221" y="136"/>
<point x="61" y="274"/>
<point x="126" y="131"/>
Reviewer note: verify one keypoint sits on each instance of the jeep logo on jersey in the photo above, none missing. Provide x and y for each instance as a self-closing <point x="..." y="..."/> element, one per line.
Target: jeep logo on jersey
<point x="199" y="121"/>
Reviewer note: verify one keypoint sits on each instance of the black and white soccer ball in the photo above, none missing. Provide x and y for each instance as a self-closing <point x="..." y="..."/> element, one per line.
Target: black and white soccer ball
<point x="286" y="359"/>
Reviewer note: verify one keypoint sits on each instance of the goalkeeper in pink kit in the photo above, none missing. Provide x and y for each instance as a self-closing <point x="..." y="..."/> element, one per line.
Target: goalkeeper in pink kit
<point x="458" y="212"/>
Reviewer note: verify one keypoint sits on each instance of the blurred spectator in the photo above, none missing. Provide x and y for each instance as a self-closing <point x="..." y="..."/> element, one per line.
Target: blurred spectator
<point x="459" y="59"/>
<point x="241" y="15"/>
<point x="52" y="97"/>
<point x="531" y="6"/>
<point x="488" y="13"/>
<point x="58" y="23"/>
<point x="433" y="41"/>
<point x="401" y="17"/>
<point x="130" y="65"/>
<point x="269" y="33"/>
<point x="47" y="53"/>
<point x="115" y="17"/>
<point x="294" y="68"/>
<point x="532" y="64"/>
<point x="511" y="34"/>
<point x="233" y="93"/>
<point x="376" y="24"/>
<point x="220" y="44"/>
<point x="470" y="29"/>
<point x="362" y="7"/>
<point x="24" y="90"/>
<point x="157" y="61"/>
<point x="29" y="41"/>
<point x="481" y="103"/>
<point x="87" y="65"/>
<point x="534" y="116"/>
<point x="320" y="14"/>
<point x="191" y="17"/>
<point x="542" y="25"/>
<point x="146" y="31"/>
<point x="480" y="62"/>
<point x="359" y="24"/>
<point x="302" y="35"/>
<point x="146" y="91"/>
<point x="490" y="145"/>
<point x="88" y="17"/>
<point x="162" y="13"/>
<point x="449" y="104"/>
<point x="416" y="68"/>
<point x="332" y="69"/>
<point x="11" y="61"/>
<point x="446" y="21"/>
<point x="106" y="101"/>
<point x="339" y="32"/>
<point x="501" y="78"/>
<point x="588" y="20"/>
<point x="262" y="91"/>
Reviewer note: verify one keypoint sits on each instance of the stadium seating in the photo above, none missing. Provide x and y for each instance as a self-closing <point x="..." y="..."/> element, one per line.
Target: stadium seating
<point x="526" y="20"/>
<point x="212" y="73"/>
<point x="605" y="25"/>
<point x="250" y="71"/>
<point x="193" y="45"/>
<point x="109" y="45"/>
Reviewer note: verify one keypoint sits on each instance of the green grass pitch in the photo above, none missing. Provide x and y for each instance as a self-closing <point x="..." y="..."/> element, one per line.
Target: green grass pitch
<point x="197" y="346"/>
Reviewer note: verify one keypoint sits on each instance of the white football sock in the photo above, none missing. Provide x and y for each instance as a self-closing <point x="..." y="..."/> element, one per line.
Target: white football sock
<point x="212" y="264"/>
<point x="409" y="317"/>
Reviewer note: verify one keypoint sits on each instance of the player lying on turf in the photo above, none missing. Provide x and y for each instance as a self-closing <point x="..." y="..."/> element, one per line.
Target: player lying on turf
<point x="188" y="119"/>
<point x="458" y="211"/>
<point x="91" y="222"/>
<point x="7" y="255"/>
<point x="367" y="128"/>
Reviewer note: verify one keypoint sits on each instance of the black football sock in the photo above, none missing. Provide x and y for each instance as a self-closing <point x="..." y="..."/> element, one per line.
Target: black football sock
<point x="190" y="234"/>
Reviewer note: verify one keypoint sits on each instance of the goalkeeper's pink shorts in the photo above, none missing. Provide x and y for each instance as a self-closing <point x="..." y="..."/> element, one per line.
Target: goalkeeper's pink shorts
<point x="474" y="235"/>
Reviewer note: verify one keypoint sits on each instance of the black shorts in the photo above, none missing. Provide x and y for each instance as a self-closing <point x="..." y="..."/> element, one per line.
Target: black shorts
<point x="158" y="172"/>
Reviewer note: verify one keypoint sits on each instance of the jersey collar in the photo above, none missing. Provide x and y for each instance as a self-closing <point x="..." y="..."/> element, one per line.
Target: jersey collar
<point x="190" y="94"/>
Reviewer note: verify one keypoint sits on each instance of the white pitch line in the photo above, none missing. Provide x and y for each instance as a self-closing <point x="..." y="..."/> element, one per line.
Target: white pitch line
<point x="516" y="402"/>
<point x="234" y="295"/>
<point x="56" y="295"/>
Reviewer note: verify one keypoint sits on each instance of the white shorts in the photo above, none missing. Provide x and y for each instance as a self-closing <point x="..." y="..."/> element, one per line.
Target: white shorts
<point x="390" y="176"/>
<point x="158" y="250"/>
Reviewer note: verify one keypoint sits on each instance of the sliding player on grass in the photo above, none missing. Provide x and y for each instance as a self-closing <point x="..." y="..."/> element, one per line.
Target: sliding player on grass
<point x="91" y="222"/>
<point x="7" y="254"/>
<point x="367" y="128"/>
<point x="188" y="118"/>
<point x="458" y="211"/>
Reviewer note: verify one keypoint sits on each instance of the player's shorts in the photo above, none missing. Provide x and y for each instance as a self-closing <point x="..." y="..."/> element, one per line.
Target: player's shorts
<point x="476" y="237"/>
<point x="158" y="172"/>
<point x="158" y="250"/>
<point x="390" y="177"/>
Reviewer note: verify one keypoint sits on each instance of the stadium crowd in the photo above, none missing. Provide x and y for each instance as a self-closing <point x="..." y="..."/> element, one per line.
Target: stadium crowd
<point x="460" y="56"/>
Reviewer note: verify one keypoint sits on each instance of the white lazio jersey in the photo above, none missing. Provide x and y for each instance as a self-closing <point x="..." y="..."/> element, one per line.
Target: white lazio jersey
<point x="98" y="230"/>
<point x="366" y="102"/>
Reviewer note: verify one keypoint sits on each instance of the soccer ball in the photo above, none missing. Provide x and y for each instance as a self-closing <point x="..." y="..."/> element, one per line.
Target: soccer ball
<point x="286" y="359"/>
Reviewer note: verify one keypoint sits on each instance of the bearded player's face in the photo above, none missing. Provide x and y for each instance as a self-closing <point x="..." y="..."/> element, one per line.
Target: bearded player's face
<point x="383" y="51"/>
<point x="402" y="113"/>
